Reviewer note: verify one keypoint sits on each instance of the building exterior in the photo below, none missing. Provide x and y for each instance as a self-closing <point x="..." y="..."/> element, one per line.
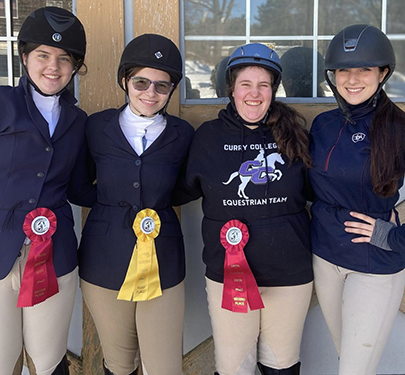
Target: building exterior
<point x="206" y="32"/>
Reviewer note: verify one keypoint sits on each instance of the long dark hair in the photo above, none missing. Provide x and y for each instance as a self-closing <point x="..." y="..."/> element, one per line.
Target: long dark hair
<point x="387" y="136"/>
<point x="289" y="132"/>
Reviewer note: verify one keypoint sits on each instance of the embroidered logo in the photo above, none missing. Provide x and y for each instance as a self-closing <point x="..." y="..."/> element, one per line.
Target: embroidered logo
<point x="255" y="171"/>
<point x="358" y="137"/>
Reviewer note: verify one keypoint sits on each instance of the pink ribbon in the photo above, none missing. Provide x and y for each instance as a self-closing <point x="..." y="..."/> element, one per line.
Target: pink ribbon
<point x="240" y="287"/>
<point x="39" y="280"/>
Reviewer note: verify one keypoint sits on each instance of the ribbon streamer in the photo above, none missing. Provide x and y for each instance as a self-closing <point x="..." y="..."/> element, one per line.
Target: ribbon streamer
<point x="39" y="279"/>
<point x="240" y="287"/>
<point x="142" y="280"/>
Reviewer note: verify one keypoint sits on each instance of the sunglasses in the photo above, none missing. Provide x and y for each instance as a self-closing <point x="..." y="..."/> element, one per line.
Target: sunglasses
<point x="161" y="87"/>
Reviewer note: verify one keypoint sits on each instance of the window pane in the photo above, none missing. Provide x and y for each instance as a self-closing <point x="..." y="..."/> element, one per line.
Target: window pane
<point x="287" y="17"/>
<point x="297" y="62"/>
<point x="395" y="17"/>
<point x="16" y="64"/>
<point x="395" y="86"/>
<point x="215" y="17"/>
<point x="322" y="47"/>
<point x="201" y="67"/>
<point x="337" y="14"/>
<point x="26" y="7"/>
<point x="3" y="63"/>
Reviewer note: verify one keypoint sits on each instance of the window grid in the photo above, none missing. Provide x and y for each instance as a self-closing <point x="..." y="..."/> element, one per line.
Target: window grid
<point x="248" y="38"/>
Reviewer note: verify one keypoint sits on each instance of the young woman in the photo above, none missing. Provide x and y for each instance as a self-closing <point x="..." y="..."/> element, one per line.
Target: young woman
<point x="41" y="136"/>
<point x="358" y="153"/>
<point x="132" y="262"/>
<point x="249" y="165"/>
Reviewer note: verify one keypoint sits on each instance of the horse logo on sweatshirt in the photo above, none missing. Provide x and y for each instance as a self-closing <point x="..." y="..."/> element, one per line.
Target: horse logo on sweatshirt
<point x="255" y="171"/>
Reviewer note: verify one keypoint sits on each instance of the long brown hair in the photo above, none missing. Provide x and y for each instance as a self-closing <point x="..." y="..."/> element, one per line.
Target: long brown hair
<point x="289" y="132"/>
<point x="387" y="136"/>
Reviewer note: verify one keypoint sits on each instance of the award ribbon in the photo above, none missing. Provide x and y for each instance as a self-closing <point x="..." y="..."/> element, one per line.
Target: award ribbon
<point x="39" y="279"/>
<point x="142" y="281"/>
<point x="240" y="286"/>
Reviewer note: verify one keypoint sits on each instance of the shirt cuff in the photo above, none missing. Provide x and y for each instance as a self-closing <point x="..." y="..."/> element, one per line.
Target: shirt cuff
<point x="379" y="237"/>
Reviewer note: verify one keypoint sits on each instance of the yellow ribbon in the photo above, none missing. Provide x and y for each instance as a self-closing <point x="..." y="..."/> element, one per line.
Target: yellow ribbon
<point x="142" y="281"/>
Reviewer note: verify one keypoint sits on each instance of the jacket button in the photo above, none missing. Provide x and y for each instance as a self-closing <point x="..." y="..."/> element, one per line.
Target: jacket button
<point x="135" y="185"/>
<point x="135" y="208"/>
<point x="138" y="162"/>
<point x="48" y="149"/>
<point x="40" y="174"/>
<point x="32" y="201"/>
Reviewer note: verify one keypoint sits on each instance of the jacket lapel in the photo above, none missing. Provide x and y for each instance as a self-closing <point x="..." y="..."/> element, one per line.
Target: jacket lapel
<point x="37" y="118"/>
<point x="68" y="115"/>
<point x="113" y="130"/>
<point x="168" y="135"/>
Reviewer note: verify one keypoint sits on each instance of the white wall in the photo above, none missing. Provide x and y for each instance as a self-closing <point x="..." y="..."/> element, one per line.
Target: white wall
<point x="318" y="354"/>
<point x="75" y="331"/>
<point x="197" y="326"/>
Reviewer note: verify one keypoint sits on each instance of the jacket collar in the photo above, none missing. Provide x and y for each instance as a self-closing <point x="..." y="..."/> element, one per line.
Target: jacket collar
<point x="113" y="130"/>
<point x="67" y="116"/>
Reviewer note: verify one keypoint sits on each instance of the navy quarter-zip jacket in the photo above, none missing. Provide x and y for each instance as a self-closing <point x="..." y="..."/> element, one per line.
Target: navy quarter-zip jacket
<point x="341" y="182"/>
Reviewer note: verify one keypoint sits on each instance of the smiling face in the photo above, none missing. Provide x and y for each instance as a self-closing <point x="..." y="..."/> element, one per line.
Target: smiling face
<point x="147" y="103"/>
<point x="50" y="68"/>
<point x="356" y="85"/>
<point x="252" y="93"/>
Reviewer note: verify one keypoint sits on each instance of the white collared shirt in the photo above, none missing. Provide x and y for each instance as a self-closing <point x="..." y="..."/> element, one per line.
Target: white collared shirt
<point x="49" y="107"/>
<point x="136" y="127"/>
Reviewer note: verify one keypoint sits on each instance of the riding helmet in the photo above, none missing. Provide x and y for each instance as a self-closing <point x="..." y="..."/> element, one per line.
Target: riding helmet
<point x="151" y="51"/>
<point x="55" y="27"/>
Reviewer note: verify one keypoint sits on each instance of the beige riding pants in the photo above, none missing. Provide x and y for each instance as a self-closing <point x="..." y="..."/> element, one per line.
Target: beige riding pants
<point x="360" y="310"/>
<point x="151" y="330"/>
<point x="42" y="329"/>
<point x="271" y="336"/>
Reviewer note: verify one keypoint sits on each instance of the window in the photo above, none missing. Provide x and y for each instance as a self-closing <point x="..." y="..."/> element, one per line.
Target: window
<point x="3" y="9"/>
<point x="298" y="30"/>
<point x="15" y="12"/>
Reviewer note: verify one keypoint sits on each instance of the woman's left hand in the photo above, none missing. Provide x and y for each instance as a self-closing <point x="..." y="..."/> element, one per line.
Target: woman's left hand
<point x="365" y="229"/>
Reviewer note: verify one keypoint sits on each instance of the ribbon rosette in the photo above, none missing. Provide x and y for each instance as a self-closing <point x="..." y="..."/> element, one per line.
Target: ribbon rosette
<point x="39" y="279"/>
<point x="142" y="279"/>
<point x="240" y="286"/>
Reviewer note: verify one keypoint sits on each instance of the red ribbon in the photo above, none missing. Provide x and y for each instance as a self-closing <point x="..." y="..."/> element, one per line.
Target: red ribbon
<point x="240" y="287"/>
<point x="39" y="280"/>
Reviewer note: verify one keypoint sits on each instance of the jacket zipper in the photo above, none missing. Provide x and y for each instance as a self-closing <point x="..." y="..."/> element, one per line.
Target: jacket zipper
<point x="333" y="147"/>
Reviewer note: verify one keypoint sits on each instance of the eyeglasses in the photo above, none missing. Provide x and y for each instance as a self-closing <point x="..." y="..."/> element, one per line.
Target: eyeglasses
<point x="161" y="87"/>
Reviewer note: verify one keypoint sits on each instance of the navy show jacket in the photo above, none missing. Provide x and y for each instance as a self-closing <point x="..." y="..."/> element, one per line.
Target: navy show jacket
<point x="126" y="184"/>
<point x="35" y="171"/>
